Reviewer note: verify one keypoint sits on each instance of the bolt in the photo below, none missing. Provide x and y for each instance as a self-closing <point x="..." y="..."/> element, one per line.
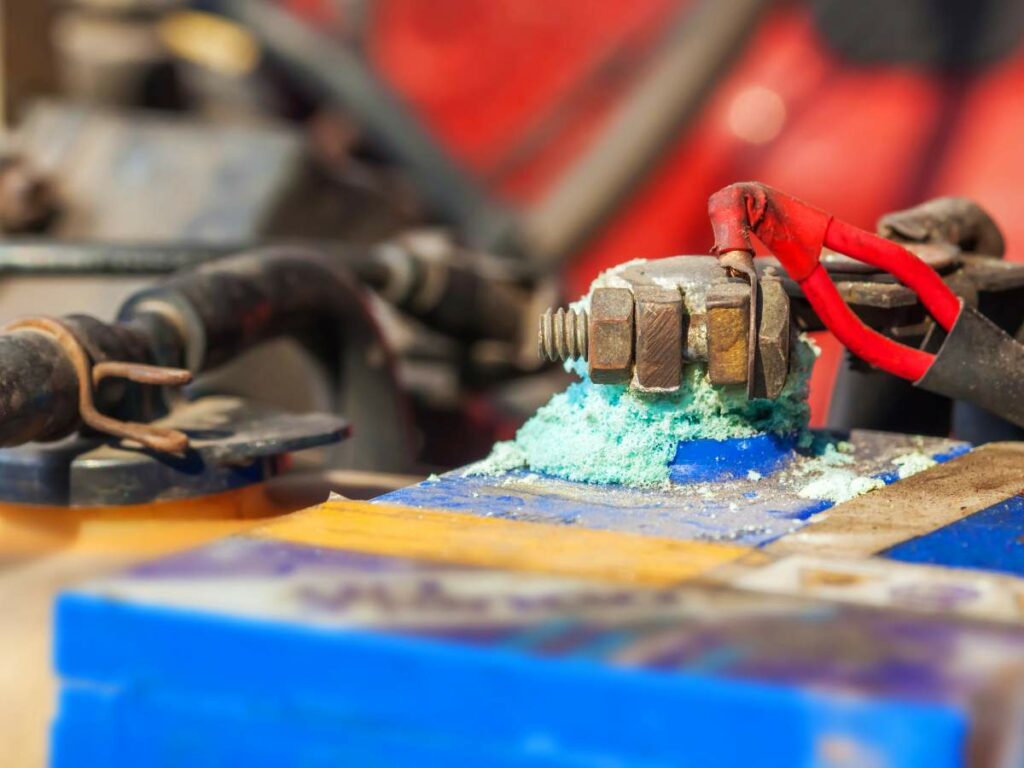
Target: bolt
<point x="563" y="335"/>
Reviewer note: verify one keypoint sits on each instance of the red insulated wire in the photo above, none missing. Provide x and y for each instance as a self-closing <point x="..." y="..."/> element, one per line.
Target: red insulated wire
<point x="795" y="232"/>
<point x="940" y="302"/>
<point x="865" y="343"/>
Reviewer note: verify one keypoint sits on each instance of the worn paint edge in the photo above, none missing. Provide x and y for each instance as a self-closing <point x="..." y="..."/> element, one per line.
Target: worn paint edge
<point x="500" y="544"/>
<point x="962" y="593"/>
<point x="913" y="507"/>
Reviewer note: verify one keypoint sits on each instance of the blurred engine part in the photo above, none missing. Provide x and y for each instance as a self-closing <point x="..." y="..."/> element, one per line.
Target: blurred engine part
<point x="139" y="177"/>
<point x="28" y="200"/>
<point x="113" y="59"/>
<point x="81" y="375"/>
<point x="339" y="76"/>
<point x="27" y="68"/>
<point x="458" y="322"/>
<point x="939" y="34"/>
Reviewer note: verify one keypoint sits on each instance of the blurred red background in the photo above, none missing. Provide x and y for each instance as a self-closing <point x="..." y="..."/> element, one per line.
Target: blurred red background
<point x="516" y="89"/>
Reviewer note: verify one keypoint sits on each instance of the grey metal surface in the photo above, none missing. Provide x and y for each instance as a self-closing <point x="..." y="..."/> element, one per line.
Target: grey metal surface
<point x="233" y="443"/>
<point x="143" y="177"/>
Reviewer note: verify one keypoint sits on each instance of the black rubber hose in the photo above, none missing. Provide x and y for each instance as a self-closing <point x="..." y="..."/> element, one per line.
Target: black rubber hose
<point x="228" y="306"/>
<point x="38" y="389"/>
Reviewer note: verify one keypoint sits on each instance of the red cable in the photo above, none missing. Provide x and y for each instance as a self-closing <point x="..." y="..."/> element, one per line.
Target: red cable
<point x="865" y="343"/>
<point x="940" y="302"/>
<point x="795" y="232"/>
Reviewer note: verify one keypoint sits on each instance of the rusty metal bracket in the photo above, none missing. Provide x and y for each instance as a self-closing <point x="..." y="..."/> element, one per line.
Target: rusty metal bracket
<point x="90" y="375"/>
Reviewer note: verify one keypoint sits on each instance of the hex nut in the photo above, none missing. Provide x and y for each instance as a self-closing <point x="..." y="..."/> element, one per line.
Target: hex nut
<point x="610" y="336"/>
<point x="659" y="339"/>
<point x="773" y="333"/>
<point x="727" y="313"/>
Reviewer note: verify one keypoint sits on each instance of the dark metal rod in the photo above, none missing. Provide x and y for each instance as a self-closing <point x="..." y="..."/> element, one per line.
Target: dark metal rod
<point x="47" y="257"/>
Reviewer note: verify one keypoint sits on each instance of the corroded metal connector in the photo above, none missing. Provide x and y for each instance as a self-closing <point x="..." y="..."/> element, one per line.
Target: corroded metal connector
<point x="646" y="322"/>
<point x="563" y="334"/>
<point x="90" y="375"/>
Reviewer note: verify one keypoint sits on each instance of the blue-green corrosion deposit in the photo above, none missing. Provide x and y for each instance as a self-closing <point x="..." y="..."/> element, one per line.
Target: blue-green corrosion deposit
<point x="611" y="434"/>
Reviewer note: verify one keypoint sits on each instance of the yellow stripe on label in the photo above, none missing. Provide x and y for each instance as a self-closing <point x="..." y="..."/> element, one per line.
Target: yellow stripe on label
<point x="501" y="544"/>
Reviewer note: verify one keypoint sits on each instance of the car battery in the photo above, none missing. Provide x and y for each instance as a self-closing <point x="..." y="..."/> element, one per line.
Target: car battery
<point x="727" y="618"/>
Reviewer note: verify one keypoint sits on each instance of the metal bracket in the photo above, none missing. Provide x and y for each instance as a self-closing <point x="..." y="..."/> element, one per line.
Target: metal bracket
<point x="233" y="443"/>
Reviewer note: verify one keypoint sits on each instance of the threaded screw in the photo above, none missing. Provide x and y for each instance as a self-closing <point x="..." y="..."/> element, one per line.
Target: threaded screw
<point x="563" y="334"/>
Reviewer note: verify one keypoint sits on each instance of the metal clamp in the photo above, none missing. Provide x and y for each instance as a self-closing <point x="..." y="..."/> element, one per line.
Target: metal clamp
<point x="90" y="375"/>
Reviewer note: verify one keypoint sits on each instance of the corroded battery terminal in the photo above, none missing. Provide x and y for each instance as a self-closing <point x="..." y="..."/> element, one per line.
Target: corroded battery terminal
<point x="906" y="309"/>
<point x="642" y="323"/>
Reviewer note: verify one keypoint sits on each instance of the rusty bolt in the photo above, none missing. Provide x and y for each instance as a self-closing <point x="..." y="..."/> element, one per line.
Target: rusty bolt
<point x="611" y="336"/>
<point x="659" y="338"/>
<point x="772" y="366"/>
<point x="727" y="315"/>
<point x="563" y="335"/>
